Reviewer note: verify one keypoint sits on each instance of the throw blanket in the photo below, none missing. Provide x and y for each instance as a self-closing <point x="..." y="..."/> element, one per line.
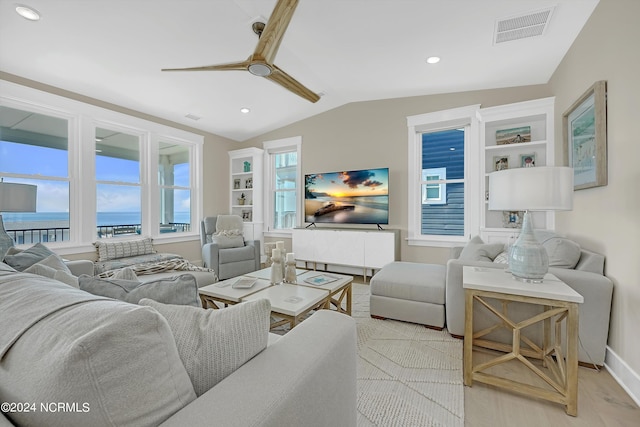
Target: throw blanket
<point x="159" y="267"/>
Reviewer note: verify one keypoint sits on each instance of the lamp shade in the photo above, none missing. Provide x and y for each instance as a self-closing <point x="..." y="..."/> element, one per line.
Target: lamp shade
<point x="17" y="197"/>
<point x="546" y="188"/>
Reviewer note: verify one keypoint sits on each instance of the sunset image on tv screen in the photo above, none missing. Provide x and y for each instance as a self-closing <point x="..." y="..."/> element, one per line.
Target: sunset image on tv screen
<point x="350" y="197"/>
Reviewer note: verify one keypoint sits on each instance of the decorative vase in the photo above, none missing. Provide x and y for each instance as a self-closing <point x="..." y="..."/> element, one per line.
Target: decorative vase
<point x="276" y="267"/>
<point x="268" y="250"/>
<point x="280" y="247"/>
<point x="290" y="269"/>
<point x="528" y="259"/>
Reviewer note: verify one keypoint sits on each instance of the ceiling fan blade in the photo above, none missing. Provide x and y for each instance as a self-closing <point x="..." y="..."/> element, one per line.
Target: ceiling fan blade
<point x="220" y="67"/>
<point x="274" y="31"/>
<point x="286" y="81"/>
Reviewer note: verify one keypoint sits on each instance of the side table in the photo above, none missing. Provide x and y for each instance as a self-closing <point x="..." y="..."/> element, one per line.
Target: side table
<point x="560" y="304"/>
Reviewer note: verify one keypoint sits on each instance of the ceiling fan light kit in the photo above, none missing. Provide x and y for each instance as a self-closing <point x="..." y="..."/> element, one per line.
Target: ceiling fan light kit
<point x="259" y="69"/>
<point x="260" y="63"/>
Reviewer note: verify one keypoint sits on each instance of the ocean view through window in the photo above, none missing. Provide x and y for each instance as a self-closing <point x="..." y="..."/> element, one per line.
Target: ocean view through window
<point x="99" y="173"/>
<point x="26" y="228"/>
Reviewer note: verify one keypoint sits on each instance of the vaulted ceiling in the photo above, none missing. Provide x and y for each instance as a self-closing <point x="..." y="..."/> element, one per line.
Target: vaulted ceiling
<point x="345" y="50"/>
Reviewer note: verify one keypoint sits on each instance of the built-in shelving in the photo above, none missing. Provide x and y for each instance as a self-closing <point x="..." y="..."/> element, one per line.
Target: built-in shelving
<point x="537" y="115"/>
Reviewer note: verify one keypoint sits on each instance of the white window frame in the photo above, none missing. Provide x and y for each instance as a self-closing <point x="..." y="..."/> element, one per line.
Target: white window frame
<point x="462" y="117"/>
<point x="83" y="119"/>
<point x="271" y="148"/>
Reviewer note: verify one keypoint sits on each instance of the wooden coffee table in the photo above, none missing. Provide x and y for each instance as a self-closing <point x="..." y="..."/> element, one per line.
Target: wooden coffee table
<point x="339" y="289"/>
<point x="223" y="292"/>
<point x="291" y="303"/>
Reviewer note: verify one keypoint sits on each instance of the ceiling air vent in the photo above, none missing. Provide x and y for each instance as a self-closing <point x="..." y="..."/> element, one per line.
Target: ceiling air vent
<point x="523" y="26"/>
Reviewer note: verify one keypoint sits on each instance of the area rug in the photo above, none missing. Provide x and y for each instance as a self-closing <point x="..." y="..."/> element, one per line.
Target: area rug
<point x="408" y="375"/>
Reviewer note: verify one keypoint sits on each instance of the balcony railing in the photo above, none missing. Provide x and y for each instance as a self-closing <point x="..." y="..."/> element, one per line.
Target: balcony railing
<point x="59" y="234"/>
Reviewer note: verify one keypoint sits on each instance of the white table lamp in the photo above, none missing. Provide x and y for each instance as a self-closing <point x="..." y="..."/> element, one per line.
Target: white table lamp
<point x="530" y="189"/>
<point x="14" y="198"/>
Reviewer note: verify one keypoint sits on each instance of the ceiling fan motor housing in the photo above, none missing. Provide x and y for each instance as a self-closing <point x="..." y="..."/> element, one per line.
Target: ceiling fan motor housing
<point x="259" y="69"/>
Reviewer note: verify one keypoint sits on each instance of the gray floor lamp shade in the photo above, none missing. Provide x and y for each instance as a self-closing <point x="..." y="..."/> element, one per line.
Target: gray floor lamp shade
<point x="530" y="189"/>
<point x="14" y="198"/>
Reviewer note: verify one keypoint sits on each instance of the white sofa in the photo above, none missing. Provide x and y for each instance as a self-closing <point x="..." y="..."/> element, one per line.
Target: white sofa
<point x="587" y="278"/>
<point x="60" y="344"/>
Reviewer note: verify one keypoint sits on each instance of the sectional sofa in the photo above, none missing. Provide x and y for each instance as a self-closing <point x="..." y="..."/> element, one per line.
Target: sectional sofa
<point x="70" y="358"/>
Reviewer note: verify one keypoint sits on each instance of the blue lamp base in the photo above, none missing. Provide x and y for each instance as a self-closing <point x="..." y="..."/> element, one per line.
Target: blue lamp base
<point x="528" y="259"/>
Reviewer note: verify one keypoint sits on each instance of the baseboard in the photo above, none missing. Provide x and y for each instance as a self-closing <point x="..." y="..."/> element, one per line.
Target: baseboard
<point x="628" y="379"/>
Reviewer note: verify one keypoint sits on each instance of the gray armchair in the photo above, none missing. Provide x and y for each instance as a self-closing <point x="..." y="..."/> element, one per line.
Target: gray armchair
<point x="227" y="261"/>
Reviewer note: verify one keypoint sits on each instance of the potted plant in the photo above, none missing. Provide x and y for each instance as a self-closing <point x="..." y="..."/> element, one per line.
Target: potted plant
<point x="241" y="199"/>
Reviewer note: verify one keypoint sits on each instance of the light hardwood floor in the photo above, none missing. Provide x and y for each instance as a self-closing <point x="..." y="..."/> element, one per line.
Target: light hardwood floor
<point x="601" y="402"/>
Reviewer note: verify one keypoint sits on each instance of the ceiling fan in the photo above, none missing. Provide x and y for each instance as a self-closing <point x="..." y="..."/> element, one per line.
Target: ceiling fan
<point x="260" y="63"/>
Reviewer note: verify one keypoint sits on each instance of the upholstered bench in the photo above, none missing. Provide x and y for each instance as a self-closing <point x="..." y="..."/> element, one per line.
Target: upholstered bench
<point x="411" y="292"/>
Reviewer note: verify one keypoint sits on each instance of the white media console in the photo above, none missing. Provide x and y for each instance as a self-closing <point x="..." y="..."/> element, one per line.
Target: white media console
<point x="346" y="247"/>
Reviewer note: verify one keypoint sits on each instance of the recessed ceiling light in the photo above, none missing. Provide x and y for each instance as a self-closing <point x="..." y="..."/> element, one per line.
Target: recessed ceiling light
<point x="245" y="110"/>
<point x="193" y="117"/>
<point x="433" y="59"/>
<point x="28" y="13"/>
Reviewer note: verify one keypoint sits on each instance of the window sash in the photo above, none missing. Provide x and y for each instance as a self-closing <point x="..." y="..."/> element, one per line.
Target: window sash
<point x="463" y="117"/>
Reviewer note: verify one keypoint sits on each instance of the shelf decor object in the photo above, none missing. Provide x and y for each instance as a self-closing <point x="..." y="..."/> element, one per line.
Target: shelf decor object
<point x="530" y="189"/>
<point x="584" y="126"/>
<point x="14" y="198"/>
<point x="513" y="136"/>
<point x="528" y="160"/>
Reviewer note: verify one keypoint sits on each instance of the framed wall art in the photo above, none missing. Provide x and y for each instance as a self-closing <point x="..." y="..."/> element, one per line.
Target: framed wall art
<point x="584" y="128"/>
<point x="512" y="219"/>
<point x="500" y="163"/>
<point x="527" y="160"/>
<point x="513" y="135"/>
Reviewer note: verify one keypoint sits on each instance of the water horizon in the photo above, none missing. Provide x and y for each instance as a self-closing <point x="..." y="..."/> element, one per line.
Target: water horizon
<point x="19" y="220"/>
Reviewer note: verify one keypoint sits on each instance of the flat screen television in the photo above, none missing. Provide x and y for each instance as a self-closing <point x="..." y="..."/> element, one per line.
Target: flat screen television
<point x="347" y="197"/>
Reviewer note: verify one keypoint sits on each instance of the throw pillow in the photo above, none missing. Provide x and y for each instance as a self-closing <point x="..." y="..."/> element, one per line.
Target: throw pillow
<point x="54" y="268"/>
<point x="6" y="267"/>
<point x="68" y="278"/>
<point x="25" y="259"/>
<point x="41" y="270"/>
<point x="229" y="232"/>
<point x="126" y="273"/>
<point x="477" y="250"/>
<point x="214" y="343"/>
<point x="114" y="250"/>
<point x="181" y="290"/>
<point x="563" y="253"/>
<point x="502" y="258"/>
<point x="55" y="262"/>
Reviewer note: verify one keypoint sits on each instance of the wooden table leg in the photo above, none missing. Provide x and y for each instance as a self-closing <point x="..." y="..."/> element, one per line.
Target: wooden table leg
<point x="572" y="360"/>
<point x="468" y="338"/>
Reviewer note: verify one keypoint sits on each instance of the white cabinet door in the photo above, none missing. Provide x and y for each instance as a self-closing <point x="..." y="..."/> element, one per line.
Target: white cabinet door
<point x="339" y="247"/>
<point x="379" y="249"/>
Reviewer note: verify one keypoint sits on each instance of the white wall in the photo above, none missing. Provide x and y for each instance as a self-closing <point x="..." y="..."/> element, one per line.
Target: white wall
<point x="607" y="219"/>
<point x="374" y="134"/>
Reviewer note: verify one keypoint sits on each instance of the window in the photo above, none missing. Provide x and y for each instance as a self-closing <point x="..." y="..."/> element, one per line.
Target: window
<point x="41" y="145"/>
<point x="99" y="173"/>
<point x="118" y="185"/>
<point x="282" y="204"/>
<point x="442" y="208"/>
<point x="174" y="180"/>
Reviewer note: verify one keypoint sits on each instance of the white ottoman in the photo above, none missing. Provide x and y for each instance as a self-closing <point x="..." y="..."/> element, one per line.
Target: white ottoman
<point x="411" y="292"/>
